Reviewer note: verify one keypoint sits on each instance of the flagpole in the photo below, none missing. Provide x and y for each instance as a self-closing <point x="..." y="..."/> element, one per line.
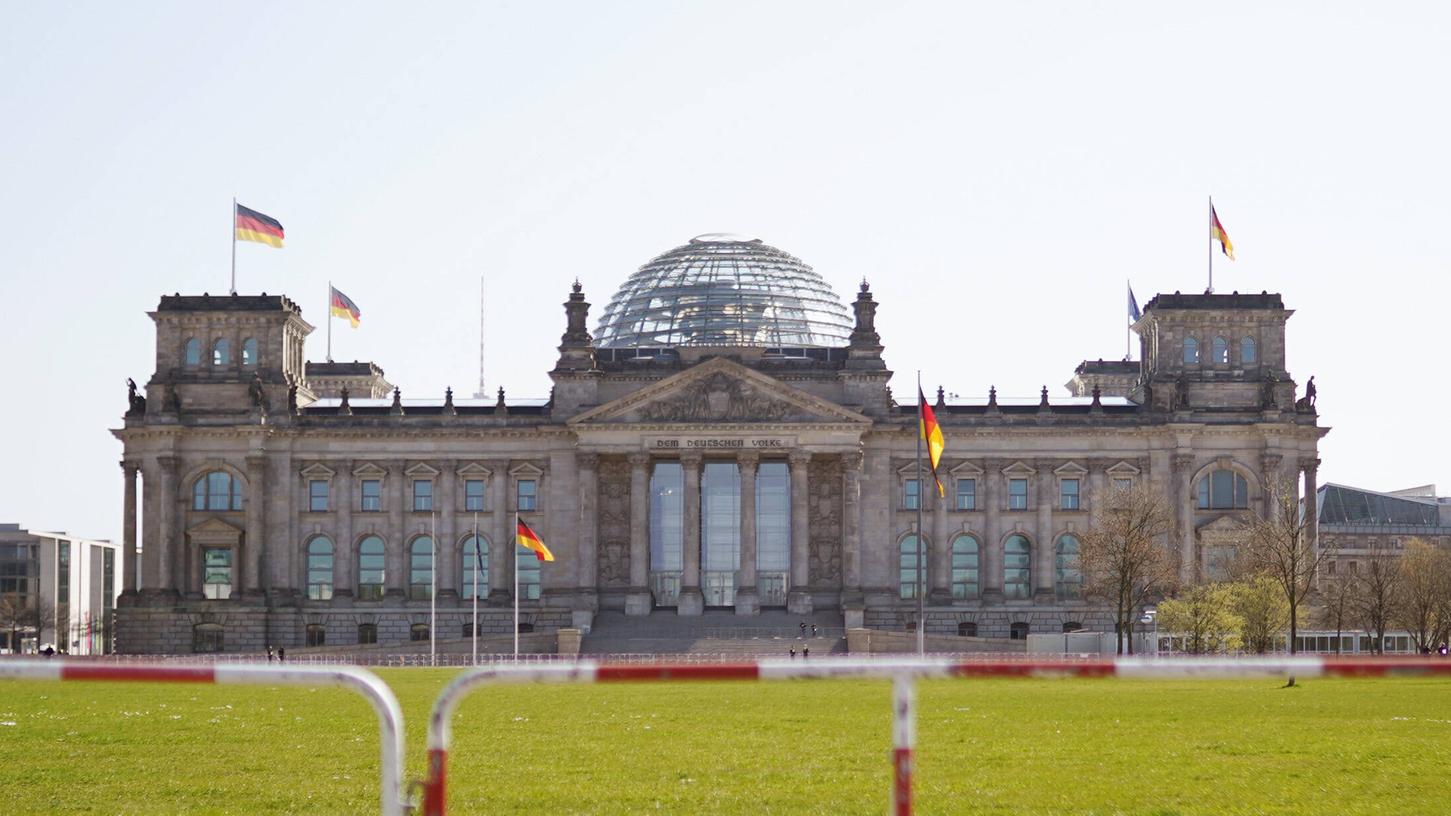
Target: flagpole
<point x="516" y="586"/>
<point x="328" y="310"/>
<point x="1128" y="327"/>
<point x="475" y="629"/>
<point x="921" y="498"/>
<point x="432" y="591"/>
<point x="234" y="245"/>
<point x="1211" y="246"/>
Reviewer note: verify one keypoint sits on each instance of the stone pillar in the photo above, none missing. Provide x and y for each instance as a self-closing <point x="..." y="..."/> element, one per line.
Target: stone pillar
<point x="1184" y="502"/>
<point x="748" y="601"/>
<point x="638" y="600"/>
<point x="501" y="548"/>
<point x="345" y="551"/>
<point x="587" y="473"/>
<point x="256" y="525"/>
<point x="939" y="568"/>
<point x="128" y="576"/>
<point x="798" y="599"/>
<point x="1097" y="487"/>
<point x="1043" y="560"/>
<point x="691" y="601"/>
<point x="993" y="499"/>
<point x="445" y="503"/>
<point x="851" y="532"/>
<point x="1311" y="469"/>
<point x="395" y="557"/>
<point x="172" y="558"/>
<point x="1270" y="484"/>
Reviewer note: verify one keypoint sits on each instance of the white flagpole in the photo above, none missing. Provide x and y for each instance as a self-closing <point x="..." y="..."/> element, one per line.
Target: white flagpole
<point x="329" y="314"/>
<point x="921" y="499"/>
<point x="234" y="245"/>
<point x="1211" y="246"/>
<point x="1128" y="329"/>
<point x="516" y="585"/>
<point x="475" y="629"/>
<point x="433" y="592"/>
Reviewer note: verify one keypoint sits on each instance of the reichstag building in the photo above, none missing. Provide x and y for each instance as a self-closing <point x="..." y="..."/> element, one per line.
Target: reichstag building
<point x="727" y="437"/>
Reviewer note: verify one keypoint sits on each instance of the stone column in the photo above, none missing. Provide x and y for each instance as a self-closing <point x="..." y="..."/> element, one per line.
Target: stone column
<point x="501" y="548"/>
<point x="1097" y="487"/>
<point x="939" y="568"/>
<point x="852" y="600"/>
<point x="798" y="599"/>
<point x="445" y="503"/>
<point x="1270" y="484"/>
<point x="172" y="557"/>
<point x="129" y="582"/>
<point x="691" y="601"/>
<point x="1184" y="501"/>
<point x="1043" y="562"/>
<point x="587" y="473"/>
<point x="256" y="523"/>
<point x="345" y="552"/>
<point x="992" y="499"/>
<point x="638" y="600"/>
<point x="395" y="557"/>
<point x="748" y="601"/>
<point x="1311" y="469"/>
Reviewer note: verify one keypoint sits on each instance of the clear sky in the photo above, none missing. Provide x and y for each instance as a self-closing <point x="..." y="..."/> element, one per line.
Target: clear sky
<point x="997" y="170"/>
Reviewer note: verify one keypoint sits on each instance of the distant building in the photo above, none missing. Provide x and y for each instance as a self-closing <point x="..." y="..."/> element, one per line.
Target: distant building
<point x="57" y="590"/>
<point x="1356" y="523"/>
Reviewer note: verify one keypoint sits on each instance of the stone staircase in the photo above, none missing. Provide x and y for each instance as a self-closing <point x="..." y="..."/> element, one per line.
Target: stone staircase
<point x="717" y="632"/>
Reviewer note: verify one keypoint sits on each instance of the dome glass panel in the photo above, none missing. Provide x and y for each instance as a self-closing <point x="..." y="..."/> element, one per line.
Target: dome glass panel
<point x="724" y="290"/>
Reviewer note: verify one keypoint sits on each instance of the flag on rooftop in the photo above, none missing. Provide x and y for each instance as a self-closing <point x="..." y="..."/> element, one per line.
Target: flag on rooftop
<point x="254" y="226"/>
<point x="1217" y="231"/>
<point x="529" y="539"/>
<point x="343" y="306"/>
<point x="1134" y="313"/>
<point x="932" y="435"/>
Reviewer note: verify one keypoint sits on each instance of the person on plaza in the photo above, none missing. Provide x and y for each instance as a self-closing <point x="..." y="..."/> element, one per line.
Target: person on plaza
<point x="803" y="628"/>
<point x="793" y="652"/>
<point x="805" y="652"/>
<point x="269" y="653"/>
<point x="281" y="654"/>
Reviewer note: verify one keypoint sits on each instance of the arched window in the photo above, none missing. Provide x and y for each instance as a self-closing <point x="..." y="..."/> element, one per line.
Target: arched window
<point x="1223" y="489"/>
<point x="475" y="551"/>
<point x="193" y="353"/>
<point x="1191" y="350"/>
<point x="1072" y="626"/>
<point x="528" y="573"/>
<point x="967" y="629"/>
<point x="370" y="570"/>
<point x="1067" y="578"/>
<point x="221" y="352"/>
<point x="1219" y="351"/>
<point x="367" y="633"/>
<point x="418" y="631"/>
<point x="964" y="567"/>
<point x="1017" y="563"/>
<point x="249" y="352"/>
<point x="217" y="491"/>
<point x="420" y="569"/>
<point x="908" y="553"/>
<point x="319" y="568"/>
<point x="1019" y="630"/>
<point x="316" y="635"/>
<point x="207" y="637"/>
<point x="1247" y="350"/>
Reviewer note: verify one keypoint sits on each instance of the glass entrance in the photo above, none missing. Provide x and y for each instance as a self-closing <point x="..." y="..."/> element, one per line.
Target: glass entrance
<point x="720" y="532"/>
<point x="667" y="494"/>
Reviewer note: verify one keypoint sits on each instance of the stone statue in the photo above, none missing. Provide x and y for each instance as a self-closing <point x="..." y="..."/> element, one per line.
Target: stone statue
<point x="1267" y="393"/>
<point x="173" y="400"/>
<point x="136" y="404"/>
<point x="1310" y="391"/>
<point x="1181" y="393"/>
<point x="256" y="395"/>
<point x="292" y="398"/>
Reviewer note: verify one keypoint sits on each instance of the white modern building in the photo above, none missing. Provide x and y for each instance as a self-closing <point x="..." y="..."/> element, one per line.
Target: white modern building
<point x="57" y="590"/>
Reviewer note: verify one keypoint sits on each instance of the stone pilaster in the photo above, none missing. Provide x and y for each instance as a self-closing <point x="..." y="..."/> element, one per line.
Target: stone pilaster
<point x="128" y="578"/>
<point x="1311" y="469"/>
<point x="798" y="599"/>
<point x="587" y="468"/>
<point x="747" y="598"/>
<point x="256" y="525"/>
<point x="638" y="600"/>
<point x="851" y="531"/>
<point x="993" y="500"/>
<point x="1043" y="552"/>
<point x="168" y="533"/>
<point x="940" y="566"/>
<point x="395" y="560"/>
<point x="691" y="601"/>
<point x="501" y="549"/>
<point x="1184" y="509"/>
<point x="1270" y="477"/>
<point x="345" y="551"/>
<point x="445" y="504"/>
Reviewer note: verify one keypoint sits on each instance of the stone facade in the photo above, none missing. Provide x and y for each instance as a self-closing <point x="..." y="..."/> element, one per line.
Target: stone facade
<point x="236" y="560"/>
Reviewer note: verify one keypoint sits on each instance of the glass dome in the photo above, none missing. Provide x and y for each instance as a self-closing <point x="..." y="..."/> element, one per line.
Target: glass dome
<point x="724" y="290"/>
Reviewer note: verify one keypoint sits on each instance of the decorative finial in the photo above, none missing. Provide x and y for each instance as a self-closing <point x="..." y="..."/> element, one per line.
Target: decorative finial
<point x="448" y="408"/>
<point x="500" y="408"/>
<point x="397" y="408"/>
<point x="865" y="286"/>
<point x="343" y="406"/>
<point x="992" y="396"/>
<point x="941" y="398"/>
<point x="1096" y="395"/>
<point x="1043" y="401"/>
<point x="577" y="287"/>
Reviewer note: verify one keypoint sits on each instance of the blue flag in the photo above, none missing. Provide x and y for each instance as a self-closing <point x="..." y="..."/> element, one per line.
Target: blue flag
<point x="1134" y="313"/>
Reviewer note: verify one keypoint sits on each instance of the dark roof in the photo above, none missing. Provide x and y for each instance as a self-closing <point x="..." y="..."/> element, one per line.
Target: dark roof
<point x="353" y="369"/>
<point x="1107" y="367"/>
<point x="1264" y="300"/>
<point x="228" y="303"/>
<point x="1348" y="505"/>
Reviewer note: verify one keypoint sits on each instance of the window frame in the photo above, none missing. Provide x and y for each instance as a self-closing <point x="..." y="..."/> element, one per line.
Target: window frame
<point x="911" y="545"/>
<point x="1190" y="348"/>
<point x="365" y="591"/>
<point x="191" y="352"/>
<point x="1067" y="575"/>
<point x="422" y="492"/>
<point x="1026" y="570"/>
<point x="911" y="493"/>
<point x="1248" y="351"/>
<point x="363" y="497"/>
<point x="532" y="495"/>
<point x="314" y="494"/>
<point x="1206" y="492"/>
<point x="483" y="496"/>
<point x="1219" y="350"/>
<point x="970" y="495"/>
<point x="420" y="590"/>
<point x="249" y="352"/>
<point x="1064" y="495"/>
<point x="221" y="352"/>
<point x="207" y="572"/>
<point x="320" y="590"/>
<point x="965" y="590"/>
<point x="1013" y="503"/>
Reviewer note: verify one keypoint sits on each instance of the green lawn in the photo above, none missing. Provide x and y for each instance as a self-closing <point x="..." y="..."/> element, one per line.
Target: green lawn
<point x="984" y="746"/>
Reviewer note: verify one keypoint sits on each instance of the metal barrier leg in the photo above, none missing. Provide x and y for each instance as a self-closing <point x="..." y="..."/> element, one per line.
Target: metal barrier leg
<point x="904" y="740"/>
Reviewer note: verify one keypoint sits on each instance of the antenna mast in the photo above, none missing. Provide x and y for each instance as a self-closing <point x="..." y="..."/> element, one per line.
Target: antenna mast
<point x="482" y="394"/>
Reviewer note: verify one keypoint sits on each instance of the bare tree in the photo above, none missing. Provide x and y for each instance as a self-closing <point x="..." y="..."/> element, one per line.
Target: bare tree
<point x="1278" y="545"/>
<point x="20" y="615"/>
<point x="1122" y="558"/>
<point x="1423" y="604"/>
<point x="1377" y="591"/>
<point x="1337" y="597"/>
<point x="1263" y="612"/>
<point x="1204" y="617"/>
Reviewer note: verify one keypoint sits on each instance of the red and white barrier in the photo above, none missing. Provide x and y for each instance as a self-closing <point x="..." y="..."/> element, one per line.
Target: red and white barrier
<point x="903" y="673"/>
<point x="385" y="704"/>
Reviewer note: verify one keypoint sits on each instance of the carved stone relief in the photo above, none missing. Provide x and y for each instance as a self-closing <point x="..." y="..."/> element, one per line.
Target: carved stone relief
<point x="824" y="509"/>
<point x="614" y="522"/>
<point x="717" y="398"/>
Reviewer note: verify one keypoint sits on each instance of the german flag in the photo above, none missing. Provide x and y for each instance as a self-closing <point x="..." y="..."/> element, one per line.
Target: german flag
<point x="1216" y="230"/>
<point x="254" y="226"/>
<point x="932" y="435"/>
<point x="343" y="306"/>
<point x="529" y="539"/>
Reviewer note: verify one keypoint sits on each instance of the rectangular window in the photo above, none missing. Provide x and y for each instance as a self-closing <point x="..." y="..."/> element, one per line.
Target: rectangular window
<point x="910" y="496"/>
<point x="372" y="496"/>
<point x="317" y="495"/>
<point x="217" y="572"/>
<point x="1123" y="484"/>
<point x="1017" y="494"/>
<point x="1068" y="494"/>
<point x="967" y="494"/>
<point x="422" y="495"/>
<point x="526" y="495"/>
<point x="474" y="495"/>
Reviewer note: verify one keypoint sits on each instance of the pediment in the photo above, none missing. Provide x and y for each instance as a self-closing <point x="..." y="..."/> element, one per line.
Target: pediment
<point x="318" y="470"/>
<point x="720" y="390"/>
<point x="368" y="470"/>
<point x="1123" y="470"/>
<point x="474" y="470"/>
<point x="1018" y="469"/>
<point x="524" y="470"/>
<point x="966" y="470"/>
<point x="214" y="531"/>
<point x="421" y="471"/>
<point x="1222" y="527"/>
<point x="1070" y="470"/>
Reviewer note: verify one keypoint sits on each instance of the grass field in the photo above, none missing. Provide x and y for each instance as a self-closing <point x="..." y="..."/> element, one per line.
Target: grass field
<point x="984" y="746"/>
